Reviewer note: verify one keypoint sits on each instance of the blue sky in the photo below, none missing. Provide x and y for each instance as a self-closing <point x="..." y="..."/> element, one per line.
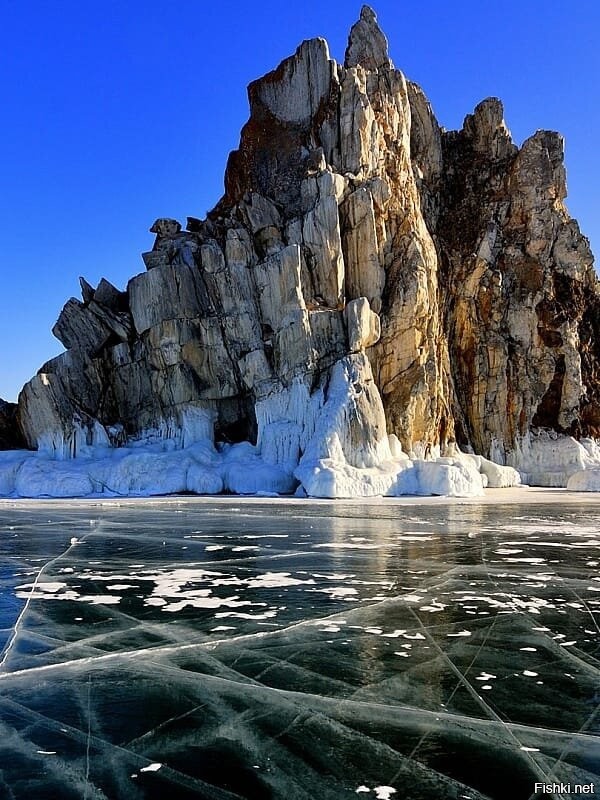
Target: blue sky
<point x="115" y="113"/>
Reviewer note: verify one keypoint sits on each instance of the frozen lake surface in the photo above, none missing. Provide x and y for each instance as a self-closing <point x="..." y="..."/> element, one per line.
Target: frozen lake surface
<point x="298" y="650"/>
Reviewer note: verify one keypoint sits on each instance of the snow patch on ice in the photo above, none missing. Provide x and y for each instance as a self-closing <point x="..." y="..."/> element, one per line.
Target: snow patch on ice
<point x="151" y="767"/>
<point x="338" y="592"/>
<point x="275" y="580"/>
<point x="384" y="792"/>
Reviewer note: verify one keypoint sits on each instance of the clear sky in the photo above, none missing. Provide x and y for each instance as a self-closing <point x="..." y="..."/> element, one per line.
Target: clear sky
<point x="114" y="113"/>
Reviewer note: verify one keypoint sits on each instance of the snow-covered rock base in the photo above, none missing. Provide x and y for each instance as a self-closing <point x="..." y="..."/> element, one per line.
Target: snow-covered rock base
<point x="326" y="442"/>
<point x="550" y="459"/>
<point x="151" y="469"/>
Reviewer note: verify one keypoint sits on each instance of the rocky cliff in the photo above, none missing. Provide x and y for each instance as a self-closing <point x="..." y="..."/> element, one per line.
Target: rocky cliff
<point x="369" y="285"/>
<point x="10" y="435"/>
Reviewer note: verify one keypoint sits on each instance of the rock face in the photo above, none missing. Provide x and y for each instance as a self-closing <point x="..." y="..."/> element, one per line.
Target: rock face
<point x="10" y="435"/>
<point x="521" y="288"/>
<point x="365" y="275"/>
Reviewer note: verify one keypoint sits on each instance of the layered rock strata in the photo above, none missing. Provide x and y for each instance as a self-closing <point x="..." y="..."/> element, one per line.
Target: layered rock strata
<point x="366" y="275"/>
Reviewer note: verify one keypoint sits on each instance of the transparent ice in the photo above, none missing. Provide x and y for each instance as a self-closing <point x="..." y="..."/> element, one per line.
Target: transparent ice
<point x="199" y="649"/>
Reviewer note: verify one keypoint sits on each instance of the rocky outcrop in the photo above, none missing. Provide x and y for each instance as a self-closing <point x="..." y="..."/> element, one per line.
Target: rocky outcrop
<point x="366" y="275"/>
<point x="521" y="288"/>
<point x="10" y="435"/>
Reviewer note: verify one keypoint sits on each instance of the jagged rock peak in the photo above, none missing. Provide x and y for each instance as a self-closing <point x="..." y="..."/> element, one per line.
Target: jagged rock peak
<point x="164" y="227"/>
<point x="367" y="44"/>
<point x="294" y="90"/>
<point x="487" y="130"/>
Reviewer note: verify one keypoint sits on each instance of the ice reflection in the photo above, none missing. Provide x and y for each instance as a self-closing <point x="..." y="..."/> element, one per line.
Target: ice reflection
<point x="206" y="650"/>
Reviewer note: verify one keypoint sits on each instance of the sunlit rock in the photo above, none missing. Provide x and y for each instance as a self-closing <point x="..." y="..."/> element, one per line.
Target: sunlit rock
<point x="369" y="286"/>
